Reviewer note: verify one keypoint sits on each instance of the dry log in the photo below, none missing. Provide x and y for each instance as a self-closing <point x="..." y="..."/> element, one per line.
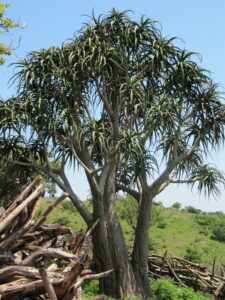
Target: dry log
<point x="91" y="277"/>
<point x="5" y="222"/>
<point x="199" y="276"/>
<point x="47" y="284"/>
<point x="7" y="257"/>
<point x="7" y="243"/>
<point x="2" y="211"/>
<point x="73" y="290"/>
<point x="189" y="273"/>
<point x="46" y="252"/>
<point x="220" y="291"/>
<point x="10" y="273"/>
<point x="174" y="274"/>
<point x="24" y="287"/>
<point x="179" y="259"/>
<point x="21" y="197"/>
<point x="31" y="243"/>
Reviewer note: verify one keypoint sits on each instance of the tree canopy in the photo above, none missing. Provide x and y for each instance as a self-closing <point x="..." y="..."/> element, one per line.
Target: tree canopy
<point x="6" y="24"/>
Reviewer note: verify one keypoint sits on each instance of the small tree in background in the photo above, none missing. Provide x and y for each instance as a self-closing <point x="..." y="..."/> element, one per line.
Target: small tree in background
<point x="176" y="205"/>
<point x="192" y="210"/>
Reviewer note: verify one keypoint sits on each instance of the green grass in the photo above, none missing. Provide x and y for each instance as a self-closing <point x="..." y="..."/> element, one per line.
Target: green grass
<point x="71" y="216"/>
<point x="182" y="231"/>
<point x="172" y="230"/>
<point x="162" y="289"/>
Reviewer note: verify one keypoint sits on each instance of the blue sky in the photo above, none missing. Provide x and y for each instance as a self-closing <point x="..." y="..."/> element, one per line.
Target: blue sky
<point x="199" y="23"/>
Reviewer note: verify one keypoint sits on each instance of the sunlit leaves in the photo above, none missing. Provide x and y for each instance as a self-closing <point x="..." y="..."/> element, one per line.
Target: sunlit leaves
<point x="119" y="89"/>
<point x="5" y="25"/>
<point x="208" y="179"/>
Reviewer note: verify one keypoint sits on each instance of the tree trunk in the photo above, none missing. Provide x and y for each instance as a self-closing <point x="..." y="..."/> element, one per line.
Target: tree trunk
<point x="109" y="248"/>
<point x="140" y="249"/>
<point x="110" y="252"/>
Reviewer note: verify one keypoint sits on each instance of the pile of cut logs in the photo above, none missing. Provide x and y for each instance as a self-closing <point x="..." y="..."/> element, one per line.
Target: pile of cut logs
<point x="41" y="261"/>
<point x="52" y="261"/>
<point x="188" y="274"/>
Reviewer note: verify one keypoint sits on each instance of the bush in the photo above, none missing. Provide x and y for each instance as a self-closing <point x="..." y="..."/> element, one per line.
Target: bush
<point x="165" y="289"/>
<point x="193" y="254"/>
<point x="204" y="231"/>
<point x="206" y="220"/>
<point x="90" y="288"/>
<point x="176" y="205"/>
<point x="68" y="205"/>
<point x="128" y="209"/>
<point x="157" y="215"/>
<point x="64" y="221"/>
<point x="153" y="245"/>
<point x="219" y="232"/>
<point x="192" y="210"/>
<point x="158" y="203"/>
<point x="161" y="225"/>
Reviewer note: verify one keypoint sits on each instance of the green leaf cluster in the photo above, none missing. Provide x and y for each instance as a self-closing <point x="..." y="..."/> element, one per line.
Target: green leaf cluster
<point x="5" y="25"/>
<point x="117" y="92"/>
<point x="166" y="289"/>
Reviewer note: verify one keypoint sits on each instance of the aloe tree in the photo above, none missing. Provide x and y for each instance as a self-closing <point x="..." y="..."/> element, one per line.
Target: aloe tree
<point x="184" y="121"/>
<point x="116" y="100"/>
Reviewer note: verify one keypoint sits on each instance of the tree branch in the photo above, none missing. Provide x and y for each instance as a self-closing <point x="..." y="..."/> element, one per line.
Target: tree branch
<point x="180" y="181"/>
<point x="47" y="284"/>
<point x="128" y="190"/>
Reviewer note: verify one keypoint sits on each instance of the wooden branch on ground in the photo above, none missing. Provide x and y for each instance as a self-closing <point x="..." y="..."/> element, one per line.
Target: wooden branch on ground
<point x="21" y="197"/>
<point x="25" y="245"/>
<point x="5" y="222"/>
<point x="46" y="252"/>
<point x="73" y="290"/>
<point x="47" y="284"/>
<point x="186" y="273"/>
<point x="7" y="243"/>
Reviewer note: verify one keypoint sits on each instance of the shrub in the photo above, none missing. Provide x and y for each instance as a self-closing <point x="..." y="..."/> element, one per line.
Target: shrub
<point x="90" y="288"/>
<point x="193" y="254"/>
<point x="161" y="225"/>
<point x="219" y="232"/>
<point x="64" y="221"/>
<point x="176" y="205"/>
<point x="192" y="210"/>
<point x="153" y="245"/>
<point x="165" y="289"/>
<point x="68" y="205"/>
<point x="157" y="215"/>
<point x="204" y="231"/>
<point x="158" y="203"/>
<point x="128" y="209"/>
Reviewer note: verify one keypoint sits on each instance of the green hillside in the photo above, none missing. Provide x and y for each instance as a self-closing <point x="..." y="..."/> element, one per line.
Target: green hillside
<point x="181" y="233"/>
